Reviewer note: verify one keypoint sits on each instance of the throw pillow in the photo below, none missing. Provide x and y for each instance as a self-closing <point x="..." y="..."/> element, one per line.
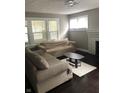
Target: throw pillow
<point x="37" y="60"/>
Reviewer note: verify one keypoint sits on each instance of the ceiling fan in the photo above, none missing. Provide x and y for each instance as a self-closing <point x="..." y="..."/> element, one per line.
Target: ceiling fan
<point x="71" y="3"/>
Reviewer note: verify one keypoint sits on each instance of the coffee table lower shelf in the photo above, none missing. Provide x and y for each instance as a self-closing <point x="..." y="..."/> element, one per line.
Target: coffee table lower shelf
<point x="74" y="58"/>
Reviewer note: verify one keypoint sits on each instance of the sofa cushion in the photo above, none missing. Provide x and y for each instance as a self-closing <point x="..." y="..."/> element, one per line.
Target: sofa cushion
<point x="59" y="48"/>
<point x="54" y="44"/>
<point x="56" y="67"/>
<point x="37" y="60"/>
<point x="40" y="52"/>
<point x="35" y="47"/>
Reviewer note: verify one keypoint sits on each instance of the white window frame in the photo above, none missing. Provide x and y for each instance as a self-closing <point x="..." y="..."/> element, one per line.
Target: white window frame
<point x="27" y="35"/>
<point x="53" y="19"/>
<point x="36" y="32"/>
<point x="29" y="19"/>
<point x="27" y="32"/>
<point x="77" y="18"/>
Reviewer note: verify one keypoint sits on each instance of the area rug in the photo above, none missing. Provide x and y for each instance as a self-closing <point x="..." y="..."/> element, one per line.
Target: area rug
<point x="81" y="70"/>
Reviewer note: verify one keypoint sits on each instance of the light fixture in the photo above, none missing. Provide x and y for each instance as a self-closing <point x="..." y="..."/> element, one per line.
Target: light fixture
<point x="71" y="3"/>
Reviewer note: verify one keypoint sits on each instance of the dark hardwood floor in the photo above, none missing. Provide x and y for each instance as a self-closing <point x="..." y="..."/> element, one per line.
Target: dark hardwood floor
<point x="90" y="59"/>
<point x="86" y="84"/>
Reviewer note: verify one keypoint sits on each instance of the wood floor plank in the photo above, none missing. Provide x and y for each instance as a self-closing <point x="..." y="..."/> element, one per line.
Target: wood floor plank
<point x="86" y="84"/>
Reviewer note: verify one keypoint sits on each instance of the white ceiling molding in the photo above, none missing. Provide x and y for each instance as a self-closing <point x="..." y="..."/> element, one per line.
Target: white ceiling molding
<point x="59" y="6"/>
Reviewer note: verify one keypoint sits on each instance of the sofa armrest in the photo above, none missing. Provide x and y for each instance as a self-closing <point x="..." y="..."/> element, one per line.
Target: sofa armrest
<point x="72" y="43"/>
<point x="42" y="47"/>
<point x="52" y="71"/>
<point x="31" y="70"/>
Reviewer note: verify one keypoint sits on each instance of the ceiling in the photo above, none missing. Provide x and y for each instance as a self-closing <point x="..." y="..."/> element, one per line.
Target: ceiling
<point x="58" y="6"/>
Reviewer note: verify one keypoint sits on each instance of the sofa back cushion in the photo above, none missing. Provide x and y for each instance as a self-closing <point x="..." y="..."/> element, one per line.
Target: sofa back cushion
<point x="38" y="61"/>
<point x="36" y="49"/>
<point x="54" y="44"/>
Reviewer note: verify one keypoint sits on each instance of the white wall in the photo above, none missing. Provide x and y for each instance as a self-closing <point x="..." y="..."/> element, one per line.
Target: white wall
<point x="83" y="38"/>
<point x="92" y="38"/>
<point x="63" y="20"/>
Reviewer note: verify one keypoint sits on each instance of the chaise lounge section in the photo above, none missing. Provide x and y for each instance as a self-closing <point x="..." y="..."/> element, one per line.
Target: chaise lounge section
<point x="43" y="80"/>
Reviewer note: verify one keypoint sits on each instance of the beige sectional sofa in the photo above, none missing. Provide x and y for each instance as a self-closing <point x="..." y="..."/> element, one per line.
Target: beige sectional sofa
<point x="58" y="48"/>
<point x="45" y="79"/>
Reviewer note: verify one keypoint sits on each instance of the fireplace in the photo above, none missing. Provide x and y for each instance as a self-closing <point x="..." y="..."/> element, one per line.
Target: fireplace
<point x="97" y="49"/>
<point x="97" y="53"/>
<point x="93" y="39"/>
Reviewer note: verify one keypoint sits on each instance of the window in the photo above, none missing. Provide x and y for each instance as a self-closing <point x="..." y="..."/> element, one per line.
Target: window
<point x="26" y="32"/>
<point x="38" y="29"/>
<point x="79" y="22"/>
<point x="42" y="29"/>
<point x="53" y="29"/>
<point x="73" y="23"/>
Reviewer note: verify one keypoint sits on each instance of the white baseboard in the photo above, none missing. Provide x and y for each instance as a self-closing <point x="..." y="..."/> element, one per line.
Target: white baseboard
<point x="84" y="50"/>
